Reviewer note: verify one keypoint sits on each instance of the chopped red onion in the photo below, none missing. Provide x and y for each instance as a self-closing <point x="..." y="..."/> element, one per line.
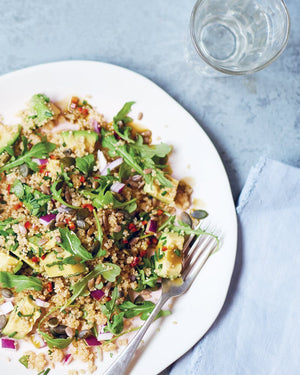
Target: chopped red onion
<point x="96" y="126"/>
<point x="117" y="187"/>
<point x="151" y="226"/>
<point x="110" y="166"/>
<point x="40" y="161"/>
<point x="67" y="359"/>
<point x="6" y="307"/>
<point x="97" y="294"/>
<point x="105" y="336"/>
<point x="8" y="344"/>
<point x="102" y="162"/>
<point x="45" y="220"/>
<point x="92" y="341"/>
<point x="41" y="303"/>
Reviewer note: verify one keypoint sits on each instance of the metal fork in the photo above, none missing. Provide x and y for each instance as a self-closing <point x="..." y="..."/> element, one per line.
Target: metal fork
<point x="196" y="254"/>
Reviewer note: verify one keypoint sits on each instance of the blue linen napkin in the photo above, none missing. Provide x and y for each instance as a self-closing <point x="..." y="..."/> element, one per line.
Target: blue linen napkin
<point x="258" y="330"/>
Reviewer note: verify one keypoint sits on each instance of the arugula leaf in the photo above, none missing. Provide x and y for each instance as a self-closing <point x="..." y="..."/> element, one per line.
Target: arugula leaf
<point x="144" y="309"/>
<point x="68" y="260"/>
<point x="108" y="270"/>
<point x="122" y="116"/>
<point x="86" y="164"/>
<point x="99" y="234"/>
<point x="57" y="193"/>
<point x="71" y="243"/>
<point x="40" y="150"/>
<point x="55" y="343"/>
<point x="115" y="322"/>
<point x="20" y="282"/>
<point x="34" y="200"/>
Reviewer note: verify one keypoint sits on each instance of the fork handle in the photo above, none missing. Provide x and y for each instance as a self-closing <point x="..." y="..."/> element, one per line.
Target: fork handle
<point x="122" y="361"/>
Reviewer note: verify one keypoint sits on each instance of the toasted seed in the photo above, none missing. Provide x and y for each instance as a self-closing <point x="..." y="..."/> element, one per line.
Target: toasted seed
<point x="91" y="230"/>
<point x="186" y="219"/>
<point x="91" y="284"/>
<point x="139" y="300"/>
<point x="140" y="115"/>
<point x="24" y="170"/>
<point x="67" y="152"/>
<point x="98" y="280"/>
<point x="60" y="329"/>
<point x="147" y="170"/>
<point x="95" y="248"/>
<point x="68" y="196"/>
<point x="84" y="334"/>
<point x="42" y="241"/>
<point x="82" y="213"/>
<point x="51" y="225"/>
<point x="199" y="214"/>
<point x="67" y="161"/>
<point x="3" y="321"/>
<point x="60" y="225"/>
<point x="45" y="189"/>
<point x="53" y="322"/>
<point x="7" y="293"/>
<point x="70" y="332"/>
<point x="82" y="224"/>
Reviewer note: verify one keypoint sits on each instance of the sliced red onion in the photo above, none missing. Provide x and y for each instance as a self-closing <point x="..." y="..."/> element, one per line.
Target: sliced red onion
<point x="41" y="303"/>
<point x="97" y="294"/>
<point x="8" y="344"/>
<point x="102" y="162"/>
<point x="96" y="126"/>
<point x="40" y="161"/>
<point x="6" y="307"/>
<point x="117" y="187"/>
<point x="64" y="127"/>
<point x="45" y="220"/>
<point x="67" y="359"/>
<point x="111" y="166"/>
<point x="105" y="336"/>
<point x="92" y="341"/>
<point x="151" y="226"/>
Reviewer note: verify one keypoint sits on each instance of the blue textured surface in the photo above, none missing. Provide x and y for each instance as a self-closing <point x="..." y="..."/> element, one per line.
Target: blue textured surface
<point x="246" y="117"/>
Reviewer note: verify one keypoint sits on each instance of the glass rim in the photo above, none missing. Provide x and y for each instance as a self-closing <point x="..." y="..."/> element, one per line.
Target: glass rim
<point x="238" y="72"/>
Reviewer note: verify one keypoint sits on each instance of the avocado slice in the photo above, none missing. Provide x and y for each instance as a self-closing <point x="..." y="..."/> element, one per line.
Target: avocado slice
<point x="78" y="138"/>
<point x="65" y="270"/>
<point x="9" y="263"/>
<point x="169" y="255"/>
<point x="164" y="194"/>
<point x="8" y="136"/>
<point x="18" y="252"/>
<point x="22" y="319"/>
<point x="41" y="109"/>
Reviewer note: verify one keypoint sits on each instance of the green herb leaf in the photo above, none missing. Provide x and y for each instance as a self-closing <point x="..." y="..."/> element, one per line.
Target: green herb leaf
<point x="24" y="360"/>
<point x="34" y="200"/>
<point x="144" y="309"/>
<point x="20" y="282"/>
<point x="57" y="194"/>
<point x="125" y="131"/>
<point x="42" y="112"/>
<point x="55" y="343"/>
<point x="40" y="150"/>
<point x="99" y="233"/>
<point x="71" y="243"/>
<point x="68" y="260"/>
<point x="86" y="164"/>
<point x="116" y="325"/>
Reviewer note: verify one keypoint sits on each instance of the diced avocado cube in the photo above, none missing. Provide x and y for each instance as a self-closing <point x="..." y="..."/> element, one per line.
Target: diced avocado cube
<point x="42" y="110"/>
<point x="80" y="139"/>
<point x="162" y="193"/>
<point x="169" y="255"/>
<point x="65" y="270"/>
<point x="8" y="136"/>
<point x="22" y="319"/>
<point x="9" y="263"/>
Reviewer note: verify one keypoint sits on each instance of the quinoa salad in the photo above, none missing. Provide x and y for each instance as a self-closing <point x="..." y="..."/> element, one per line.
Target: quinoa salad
<point x="91" y="221"/>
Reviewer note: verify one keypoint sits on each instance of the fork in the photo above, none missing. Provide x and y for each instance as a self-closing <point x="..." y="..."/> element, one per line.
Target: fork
<point x="195" y="254"/>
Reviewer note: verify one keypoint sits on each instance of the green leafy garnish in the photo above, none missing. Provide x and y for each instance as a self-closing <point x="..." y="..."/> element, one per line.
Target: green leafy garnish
<point x="5" y="226"/>
<point x="41" y="110"/>
<point x="55" y="343"/>
<point x="108" y="270"/>
<point x="56" y="190"/>
<point x="130" y="309"/>
<point x="146" y="281"/>
<point x="86" y="164"/>
<point x="115" y="323"/>
<point x="99" y="234"/>
<point x="19" y="282"/>
<point x="124" y="131"/>
<point x="68" y="260"/>
<point x="71" y="243"/>
<point x="44" y="372"/>
<point x="34" y="200"/>
<point x="40" y="150"/>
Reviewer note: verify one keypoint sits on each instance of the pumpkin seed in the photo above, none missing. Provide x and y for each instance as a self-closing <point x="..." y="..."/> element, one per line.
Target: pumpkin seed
<point x="82" y="224"/>
<point x="53" y="322"/>
<point x="186" y="219"/>
<point x="59" y="330"/>
<point x="24" y="170"/>
<point x="7" y="293"/>
<point x="67" y="161"/>
<point x="82" y="213"/>
<point x="139" y="300"/>
<point x="3" y="321"/>
<point x="84" y="334"/>
<point x="199" y="214"/>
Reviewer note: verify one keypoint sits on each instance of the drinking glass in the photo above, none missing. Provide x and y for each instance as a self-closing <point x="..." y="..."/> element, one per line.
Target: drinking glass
<point x="237" y="36"/>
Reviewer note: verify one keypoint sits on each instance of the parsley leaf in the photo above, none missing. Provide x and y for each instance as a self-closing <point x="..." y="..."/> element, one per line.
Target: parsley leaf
<point x="34" y="200"/>
<point x="86" y="164"/>
<point x="40" y="150"/>
<point x="20" y="282"/>
<point x="71" y="243"/>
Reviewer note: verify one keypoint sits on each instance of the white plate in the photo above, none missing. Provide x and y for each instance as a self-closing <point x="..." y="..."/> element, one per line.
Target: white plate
<point x="194" y="156"/>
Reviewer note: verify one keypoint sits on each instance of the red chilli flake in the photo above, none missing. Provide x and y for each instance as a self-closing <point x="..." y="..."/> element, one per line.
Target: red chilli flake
<point x="35" y="259"/>
<point x="89" y="207"/>
<point x="82" y="179"/>
<point x="154" y="240"/>
<point x="164" y="248"/>
<point x="125" y="241"/>
<point x="72" y="225"/>
<point x="144" y="222"/>
<point x="132" y="228"/>
<point x="49" y="287"/>
<point x="43" y="256"/>
<point x="18" y="205"/>
<point x="8" y="188"/>
<point x="159" y="212"/>
<point x="135" y="261"/>
<point x="143" y="253"/>
<point x="27" y="224"/>
<point x="42" y="168"/>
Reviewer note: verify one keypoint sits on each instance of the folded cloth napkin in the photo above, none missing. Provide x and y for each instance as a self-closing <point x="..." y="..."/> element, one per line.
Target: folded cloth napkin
<point x="258" y="330"/>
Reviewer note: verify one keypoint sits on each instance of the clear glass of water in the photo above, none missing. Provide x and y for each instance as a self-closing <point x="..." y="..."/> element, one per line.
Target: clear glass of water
<point x="238" y="36"/>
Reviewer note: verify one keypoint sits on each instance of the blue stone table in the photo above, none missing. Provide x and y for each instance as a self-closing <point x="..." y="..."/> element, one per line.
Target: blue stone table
<point x="245" y="116"/>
